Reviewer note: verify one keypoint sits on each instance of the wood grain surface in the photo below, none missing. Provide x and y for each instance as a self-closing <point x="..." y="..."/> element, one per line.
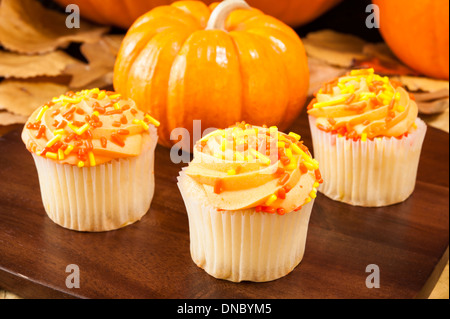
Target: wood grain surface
<point x="151" y="259"/>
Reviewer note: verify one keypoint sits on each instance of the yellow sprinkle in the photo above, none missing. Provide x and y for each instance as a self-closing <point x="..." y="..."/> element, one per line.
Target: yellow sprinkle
<point x="114" y="96"/>
<point x="80" y="164"/>
<point x="82" y="129"/>
<point x="91" y="159"/>
<point x="296" y="149"/>
<point x="281" y="144"/>
<point x="309" y="166"/>
<point x="249" y="159"/>
<point x="96" y="113"/>
<point x="331" y="102"/>
<point x="260" y="156"/>
<point x="239" y="157"/>
<point x="316" y="185"/>
<point x="101" y="95"/>
<point x="362" y="72"/>
<point x="51" y="155"/>
<point x="366" y="95"/>
<point x="400" y="108"/>
<point x="271" y="200"/>
<point x="41" y="113"/>
<point x="152" y="120"/>
<point x="95" y="91"/>
<point x="60" y="154"/>
<point x="414" y="126"/>
<point x="288" y="153"/>
<point x="295" y="135"/>
<point x="223" y="146"/>
<point x="69" y="149"/>
<point x="72" y="127"/>
<point x="55" y="139"/>
<point x="59" y="132"/>
<point x="231" y="172"/>
<point x="308" y="200"/>
<point x="397" y="96"/>
<point x="313" y="194"/>
<point x="364" y="137"/>
<point x="116" y="106"/>
<point x="292" y="165"/>
<point x="273" y="129"/>
<point x="348" y="89"/>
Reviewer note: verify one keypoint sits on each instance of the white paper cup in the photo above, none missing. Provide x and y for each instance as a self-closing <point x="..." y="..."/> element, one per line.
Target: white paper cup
<point x="105" y="197"/>
<point x="373" y="173"/>
<point x="243" y="245"/>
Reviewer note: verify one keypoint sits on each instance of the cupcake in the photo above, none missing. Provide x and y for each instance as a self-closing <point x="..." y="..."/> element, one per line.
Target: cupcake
<point x="248" y="193"/>
<point x="367" y="138"/>
<point x="94" y="154"/>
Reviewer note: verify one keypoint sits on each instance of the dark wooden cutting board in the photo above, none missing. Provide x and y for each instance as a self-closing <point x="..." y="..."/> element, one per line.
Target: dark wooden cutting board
<point x="151" y="259"/>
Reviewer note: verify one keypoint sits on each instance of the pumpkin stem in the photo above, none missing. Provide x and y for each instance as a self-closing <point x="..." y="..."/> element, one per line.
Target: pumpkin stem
<point x="222" y="11"/>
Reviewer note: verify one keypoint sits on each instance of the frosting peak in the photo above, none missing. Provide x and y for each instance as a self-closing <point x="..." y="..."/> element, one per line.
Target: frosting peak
<point x="363" y="105"/>
<point x="247" y="166"/>
<point x="87" y="128"/>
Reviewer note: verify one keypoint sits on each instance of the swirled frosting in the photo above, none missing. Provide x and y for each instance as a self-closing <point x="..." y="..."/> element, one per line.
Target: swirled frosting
<point x="363" y="105"/>
<point x="246" y="166"/>
<point x="87" y="128"/>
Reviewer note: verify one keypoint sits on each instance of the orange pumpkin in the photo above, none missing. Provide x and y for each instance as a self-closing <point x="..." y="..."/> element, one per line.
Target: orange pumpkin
<point x="123" y="13"/>
<point x="417" y="31"/>
<point x="181" y="63"/>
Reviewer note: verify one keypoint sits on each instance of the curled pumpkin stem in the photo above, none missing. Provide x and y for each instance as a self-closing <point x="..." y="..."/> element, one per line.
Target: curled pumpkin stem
<point x="222" y="11"/>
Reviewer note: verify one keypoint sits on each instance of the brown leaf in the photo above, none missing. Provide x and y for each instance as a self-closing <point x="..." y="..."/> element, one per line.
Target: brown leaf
<point x="14" y="65"/>
<point x="337" y="49"/>
<point x="27" y="27"/>
<point x="23" y="97"/>
<point x="101" y="58"/>
<point x="7" y="118"/>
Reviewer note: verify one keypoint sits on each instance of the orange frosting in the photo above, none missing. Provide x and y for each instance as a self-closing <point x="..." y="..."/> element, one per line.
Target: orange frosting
<point x="364" y="105"/>
<point x="246" y="166"/>
<point x="87" y="128"/>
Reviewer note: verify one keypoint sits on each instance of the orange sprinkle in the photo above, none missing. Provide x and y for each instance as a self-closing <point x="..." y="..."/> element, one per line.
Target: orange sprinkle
<point x="41" y="132"/>
<point x="218" y="186"/>
<point x="123" y="132"/>
<point x="281" y="193"/>
<point x="116" y="124"/>
<point x="103" y="141"/>
<point x="123" y="119"/>
<point x="350" y="99"/>
<point x="79" y="111"/>
<point x="281" y="211"/>
<point x="303" y="168"/>
<point x="298" y="208"/>
<point x="112" y="112"/>
<point x="115" y="138"/>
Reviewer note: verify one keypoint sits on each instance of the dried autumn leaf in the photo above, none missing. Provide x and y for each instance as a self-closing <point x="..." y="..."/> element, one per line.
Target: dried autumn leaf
<point x="7" y="118"/>
<point x="27" y="27"/>
<point x="335" y="48"/>
<point x="14" y="65"/>
<point x="23" y="97"/>
<point x="101" y="58"/>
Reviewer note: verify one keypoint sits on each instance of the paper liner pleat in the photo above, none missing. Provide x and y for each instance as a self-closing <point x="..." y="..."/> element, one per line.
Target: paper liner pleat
<point x="100" y="198"/>
<point x="243" y="245"/>
<point x="370" y="173"/>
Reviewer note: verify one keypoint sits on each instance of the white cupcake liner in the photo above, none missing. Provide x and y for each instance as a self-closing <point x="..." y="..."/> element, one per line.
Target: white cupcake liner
<point x="243" y="245"/>
<point x="373" y="173"/>
<point x="105" y="197"/>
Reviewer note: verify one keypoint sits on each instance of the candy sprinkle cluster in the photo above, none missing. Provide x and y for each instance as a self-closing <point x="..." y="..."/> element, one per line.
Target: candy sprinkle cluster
<point x="359" y="91"/>
<point x="74" y="124"/>
<point x="244" y="143"/>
